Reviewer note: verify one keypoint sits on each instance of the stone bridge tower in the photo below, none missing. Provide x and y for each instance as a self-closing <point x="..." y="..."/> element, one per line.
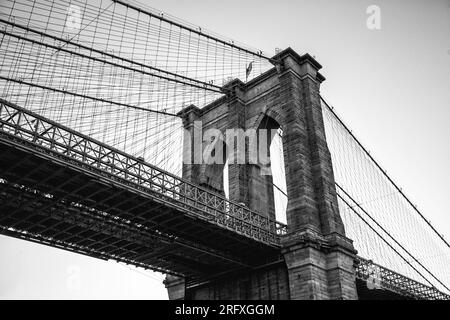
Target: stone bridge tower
<point x="318" y="258"/>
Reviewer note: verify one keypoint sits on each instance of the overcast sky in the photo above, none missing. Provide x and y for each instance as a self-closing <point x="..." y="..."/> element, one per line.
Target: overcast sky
<point x="390" y="85"/>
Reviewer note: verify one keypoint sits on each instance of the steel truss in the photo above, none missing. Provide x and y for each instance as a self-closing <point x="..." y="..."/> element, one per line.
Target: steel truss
<point x="46" y="136"/>
<point x="62" y="222"/>
<point x="387" y="279"/>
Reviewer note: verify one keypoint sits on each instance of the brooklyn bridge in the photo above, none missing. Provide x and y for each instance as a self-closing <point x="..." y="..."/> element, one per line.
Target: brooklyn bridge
<point x="104" y="110"/>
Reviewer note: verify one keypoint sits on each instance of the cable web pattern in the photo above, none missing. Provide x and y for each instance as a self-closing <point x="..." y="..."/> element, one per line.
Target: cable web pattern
<point x="120" y="72"/>
<point x="116" y="71"/>
<point x="386" y="227"/>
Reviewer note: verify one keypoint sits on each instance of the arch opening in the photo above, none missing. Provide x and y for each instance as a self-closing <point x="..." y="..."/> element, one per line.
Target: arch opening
<point x="276" y="179"/>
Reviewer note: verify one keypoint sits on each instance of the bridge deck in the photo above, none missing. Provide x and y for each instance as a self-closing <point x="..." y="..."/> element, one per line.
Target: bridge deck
<point x="53" y="190"/>
<point x="63" y="189"/>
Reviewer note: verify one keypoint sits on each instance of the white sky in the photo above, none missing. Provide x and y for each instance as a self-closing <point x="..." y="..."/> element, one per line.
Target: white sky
<point x="391" y="86"/>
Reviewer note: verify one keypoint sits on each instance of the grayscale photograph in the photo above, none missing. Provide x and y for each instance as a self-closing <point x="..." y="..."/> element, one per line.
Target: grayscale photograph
<point x="237" y="150"/>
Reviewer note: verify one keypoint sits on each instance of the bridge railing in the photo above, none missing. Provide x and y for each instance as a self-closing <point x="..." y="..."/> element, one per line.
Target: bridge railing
<point x="379" y="277"/>
<point x="44" y="135"/>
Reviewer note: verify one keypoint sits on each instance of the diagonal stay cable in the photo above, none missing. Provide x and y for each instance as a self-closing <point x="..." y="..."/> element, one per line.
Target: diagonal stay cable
<point x="73" y="37"/>
<point x="88" y="97"/>
<point x="384" y="173"/>
<point x="198" y="32"/>
<point x="389" y="235"/>
<point x="170" y="76"/>
<point x="382" y="238"/>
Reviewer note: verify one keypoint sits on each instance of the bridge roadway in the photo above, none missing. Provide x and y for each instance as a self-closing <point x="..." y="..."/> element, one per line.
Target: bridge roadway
<point x="64" y="188"/>
<point x="61" y="188"/>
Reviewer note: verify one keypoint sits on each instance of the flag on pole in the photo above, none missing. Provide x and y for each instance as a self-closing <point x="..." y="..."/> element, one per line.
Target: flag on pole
<point x="249" y="70"/>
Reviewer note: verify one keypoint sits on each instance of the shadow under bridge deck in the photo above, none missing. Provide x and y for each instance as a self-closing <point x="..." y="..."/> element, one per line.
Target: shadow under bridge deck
<point x="64" y="189"/>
